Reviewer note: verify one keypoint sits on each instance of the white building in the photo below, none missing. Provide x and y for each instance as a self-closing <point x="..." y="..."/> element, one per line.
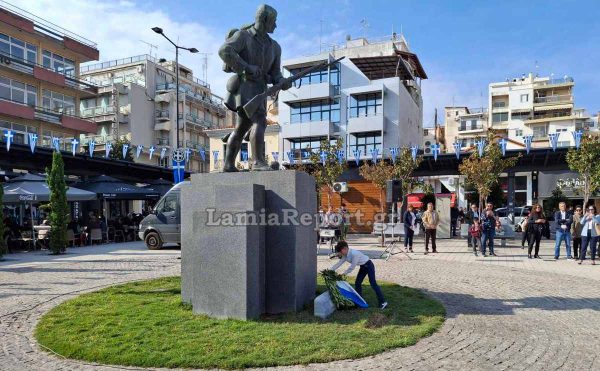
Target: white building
<point x="135" y="103"/>
<point x="371" y="99"/>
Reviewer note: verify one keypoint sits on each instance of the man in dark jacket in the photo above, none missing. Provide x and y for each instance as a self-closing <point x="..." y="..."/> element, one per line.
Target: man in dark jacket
<point x="563" y="219"/>
<point x="410" y="222"/>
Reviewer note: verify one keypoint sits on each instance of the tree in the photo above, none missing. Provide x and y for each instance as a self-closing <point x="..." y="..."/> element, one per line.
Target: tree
<point x="585" y="161"/>
<point x="483" y="172"/>
<point x="496" y="195"/>
<point x="551" y="203"/>
<point x="404" y="166"/>
<point x="3" y="247"/>
<point x="378" y="174"/>
<point x="428" y="196"/>
<point x="117" y="150"/>
<point x="326" y="175"/>
<point x="58" y="204"/>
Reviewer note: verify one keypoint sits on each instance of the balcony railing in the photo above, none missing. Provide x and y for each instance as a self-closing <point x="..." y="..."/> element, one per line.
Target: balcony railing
<point x="550" y="115"/>
<point x="162" y="141"/>
<point x="199" y="120"/>
<point x="553" y="99"/>
<point x="195" y="145"/>
<point x="25" y="66"/>
<point x="559" y="81"/>
<point x="162" y="114"/>
<point x="470" y="127"/>
<point x="98" y="111"/>
<point x="499" y="105"/>
<point x="136" y="79"/>
<point x="117" y="62"/>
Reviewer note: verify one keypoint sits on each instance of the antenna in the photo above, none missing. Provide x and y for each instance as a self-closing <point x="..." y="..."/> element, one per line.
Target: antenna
<point x="364" y="25"/>
<point x="320" y="35"/>
<point x="205" y="66"/>
<point x="152" y="46"/>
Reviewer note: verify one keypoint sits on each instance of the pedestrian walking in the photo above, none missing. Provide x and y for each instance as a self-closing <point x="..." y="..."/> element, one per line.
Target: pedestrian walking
<point x="475" y="233"/>
<point x="453" y="220"/>
<point x="563" y="220"/>
<point x="431" y="220"/>
<point x="471" y="216"/>
<point x="523" y="226"/>
<point x="589" y="233"/>
<point x="535" y="230"/>
<point x="410" y="224"/>
<point x="576" y="228"/>
<point x="366" y="268"/>
<point x="489" y="233"/>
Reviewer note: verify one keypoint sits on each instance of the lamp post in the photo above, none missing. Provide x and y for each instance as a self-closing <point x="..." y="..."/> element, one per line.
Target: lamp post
<point x="159" y="30"/>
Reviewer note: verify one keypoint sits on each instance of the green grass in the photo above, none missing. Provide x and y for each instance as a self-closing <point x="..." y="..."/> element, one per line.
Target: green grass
<point x="145" y="324"/>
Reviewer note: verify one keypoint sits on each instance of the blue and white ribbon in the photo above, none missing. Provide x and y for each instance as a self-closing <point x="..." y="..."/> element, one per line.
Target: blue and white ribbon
<point x="341" y="155"/>
<point x="32" y="141"/>
<point x="414" y="150"/>
<point x="56" y="143"/>
<point x="215" y="158"/>
<point x="553" y="139"/>
<point x="74" y="143"/>
<point x="457" y="147"/>
<point x="138" y="150"/>
<point x="92" y="146"/>
<point x="107" y="149"/>
<point x="151" y="152"/>
<point x="527" y="139"/>
<point x="357" y="153"/>
<point x="275" y="156"/>
<point x="374" y="154"/>
<point x="323" y="157"/>
<point x="577" y="137"/>
<point x="9" y="135"/>
<point x="124" y="150"/>
<point x="290" y="155"/>
<point x="502" y="143"/>
<point x="435" y="149"/>
<point x="480" y="147"/>
<point x="394" y="153"/>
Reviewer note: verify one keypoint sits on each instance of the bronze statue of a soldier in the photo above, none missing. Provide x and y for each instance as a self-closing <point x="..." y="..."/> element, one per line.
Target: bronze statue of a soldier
<point x="255" y="59"/>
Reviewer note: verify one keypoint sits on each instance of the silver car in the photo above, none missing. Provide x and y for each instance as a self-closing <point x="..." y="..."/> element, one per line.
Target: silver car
<point x="163" y="225"/>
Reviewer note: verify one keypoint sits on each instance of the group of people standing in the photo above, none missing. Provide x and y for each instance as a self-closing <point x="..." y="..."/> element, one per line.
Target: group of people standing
<point x="482" y="229"/>
<point x="579" y="227"/>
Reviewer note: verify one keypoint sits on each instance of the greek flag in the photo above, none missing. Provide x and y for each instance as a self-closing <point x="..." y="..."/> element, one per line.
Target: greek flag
<point x="9" y="135"/>
<point x="357" y="153"/>
<point x="178" y="171"/>
<point x="163" y="152"/>
<point x="340" y="156"/>
<point x="435" y="149"/>
<point x="457" y="147"/>
<point x="577" y="138"/>
<point x="527" y="139"/>
<point x="202" y="154"/>
<point x="290" y="155"/>
<point x="138" y="150"/>
<point x="503" y="142"/>
<point x="275" y="156"/>
<point x="244" y="156"/>
<point x="151" y="152"/>
<point x="553" y="138"/>
<point x="107" y="149"/>
<point x="215" y="158"/>
<point x="74" y="143"/>
<point x="414" y="150"/>
<point x="480" y="147"/>
<point x="56" y="143"/>
<point x="323" y="156"/>
<point x="92" y="145"/>
<point x="374" y="154"/>
<point x="124" y="150"/>
<point x="394" y="153"/>
<point x="32" y="141"/>
<point x="188" y="152"/>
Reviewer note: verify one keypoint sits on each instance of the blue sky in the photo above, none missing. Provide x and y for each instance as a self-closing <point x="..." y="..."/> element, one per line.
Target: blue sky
<point x="463" y="45"/>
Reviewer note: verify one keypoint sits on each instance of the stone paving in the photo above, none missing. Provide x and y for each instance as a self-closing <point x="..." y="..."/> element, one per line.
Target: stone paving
<point x="505" y="312"/>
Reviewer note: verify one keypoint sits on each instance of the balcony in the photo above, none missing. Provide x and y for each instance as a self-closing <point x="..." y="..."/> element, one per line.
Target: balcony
<point x="198" y="121"/>
<point x="553" y="99"/>
<point x="550" y="116"/>
<point x="464" y="129"/>
<point x="195" y="146"/>
<point x="106" y="113"/>
<point x="162" y="115"/>
<point x="366" y="123"/>
<point x="63" y="79"/>
<point x="162" y="141"/>
<point x="166" y="126"/>
<point x="307" y="92"/>
<point x="307" y="129"/>
<point x="117" y="62"/>
<point x="567" y="80"/>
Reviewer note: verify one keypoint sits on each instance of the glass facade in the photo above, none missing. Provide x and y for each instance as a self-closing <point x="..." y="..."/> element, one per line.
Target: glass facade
<point x="302" y="147"/>
<point x="320" y="76"/>
<point x="58" y="63"/>
<point x="365" y="105"/>
<point x="500" y="117"/>
<point x="17" y="48"/>
<point x="19" y="92"/>
<point x="365" y="142"/>
<point x="20" y="132"/>
<point x="315" y="110"/>
<point x="58" y="102"/>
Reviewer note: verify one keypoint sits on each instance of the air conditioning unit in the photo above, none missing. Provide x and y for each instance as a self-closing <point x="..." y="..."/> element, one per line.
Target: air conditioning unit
<point x="410" y="83"/>
<point x="340" y="187"/>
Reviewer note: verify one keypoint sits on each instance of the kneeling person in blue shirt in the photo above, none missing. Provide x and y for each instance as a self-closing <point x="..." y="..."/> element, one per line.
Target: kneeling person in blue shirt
<point x="355" y="257"/>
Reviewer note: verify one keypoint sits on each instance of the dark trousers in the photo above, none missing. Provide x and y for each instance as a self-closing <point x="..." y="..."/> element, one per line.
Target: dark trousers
<point x="469" y="237"/>
<point x="368" y="269"/>
<point x="476" y="242"/>
<point x="430" y="234"/>
<point x="453" y="227"/>
<point x="408" y="236"/>
<point x="592" y="242"/>
<point x="535" y="236"/>
<point x="487" y="240"/>
<point x="576" y="246"/>
<point x="523" y="238"/>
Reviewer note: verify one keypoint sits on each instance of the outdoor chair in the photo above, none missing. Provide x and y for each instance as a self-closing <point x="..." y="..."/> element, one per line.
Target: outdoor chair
<point x="120" y="235"/>
<point x="42" y="239"/>
<point x="26" y="239"/>
<point x="96" y="235"/>
<point x="71" y="237"/>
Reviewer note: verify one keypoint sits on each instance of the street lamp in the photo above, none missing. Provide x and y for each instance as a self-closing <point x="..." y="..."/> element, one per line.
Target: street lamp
<point x="159" y="30"/>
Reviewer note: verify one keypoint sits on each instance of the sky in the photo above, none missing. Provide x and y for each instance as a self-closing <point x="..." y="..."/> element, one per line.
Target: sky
<point x="462" y="45"/>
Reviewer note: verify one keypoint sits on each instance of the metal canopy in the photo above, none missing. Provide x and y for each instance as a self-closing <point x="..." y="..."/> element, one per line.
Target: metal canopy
<point x="110" y="188"/>
<point x="383" y="67"/>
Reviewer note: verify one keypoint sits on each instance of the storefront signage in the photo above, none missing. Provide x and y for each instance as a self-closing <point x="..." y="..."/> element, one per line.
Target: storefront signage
<point x="26" y="197"/>
<point x="568" y="182"/>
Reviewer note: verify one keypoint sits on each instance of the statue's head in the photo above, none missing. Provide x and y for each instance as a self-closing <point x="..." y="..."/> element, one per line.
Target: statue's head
<point x="266" y="17"/>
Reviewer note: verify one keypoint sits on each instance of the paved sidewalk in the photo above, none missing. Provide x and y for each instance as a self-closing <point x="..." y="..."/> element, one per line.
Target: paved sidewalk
<point x="503" y="312"/>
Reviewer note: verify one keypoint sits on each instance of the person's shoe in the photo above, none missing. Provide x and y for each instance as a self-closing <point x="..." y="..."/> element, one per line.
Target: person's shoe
<point x="529" y="256"/>
<point x="230" y="169"/>
<point x="426" y="252"/>
<point x="434" y="251"/>
<point x="493" y="254"/>
<point x="593" y="262"/>
<point x="556" y="258"/>
<point x="384" y="305"/>
<point x="579" y="262"/>
<point x="484" y="255"/>
<point x="537" y="256"/>
<point x="261" y="166"/>
<point x="410" y="250"/>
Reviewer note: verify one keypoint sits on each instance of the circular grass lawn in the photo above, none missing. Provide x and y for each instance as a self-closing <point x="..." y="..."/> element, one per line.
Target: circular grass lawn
<point x="145" y="324"/>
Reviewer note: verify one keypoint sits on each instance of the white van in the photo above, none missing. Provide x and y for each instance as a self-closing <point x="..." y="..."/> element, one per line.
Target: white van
<point x="163" y="225"/>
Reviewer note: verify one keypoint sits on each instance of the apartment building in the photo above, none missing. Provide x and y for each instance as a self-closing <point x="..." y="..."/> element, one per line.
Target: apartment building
<point x="432" y="136"/>
<point x="136" y="103"/>
<point x="465" y="126"/>
<point x="537" y="106"/>
<point x="40" y="84"/>
<point x="371" y="99"/>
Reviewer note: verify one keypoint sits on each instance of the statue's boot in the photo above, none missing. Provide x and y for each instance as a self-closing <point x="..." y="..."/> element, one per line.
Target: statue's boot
<point x="261" y="166"/>
<point x="230" y="168"/>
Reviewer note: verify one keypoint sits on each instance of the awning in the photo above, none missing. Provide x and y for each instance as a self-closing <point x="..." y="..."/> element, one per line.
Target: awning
<point x="414" y="199"/>
<point x="553" y="107"/>
<point x="160" y="186"/>
<point x="110" y="188"/>
<point x="33" y="188"/>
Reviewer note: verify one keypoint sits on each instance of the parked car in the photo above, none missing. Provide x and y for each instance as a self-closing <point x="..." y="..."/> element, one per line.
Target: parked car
<point x="513" y="221"/>
<point x="163" y="225"/>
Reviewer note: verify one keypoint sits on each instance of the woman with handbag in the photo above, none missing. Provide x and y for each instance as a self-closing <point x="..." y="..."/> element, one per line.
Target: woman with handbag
<point x="589" y="233"/>
<point x="535" y="229"/>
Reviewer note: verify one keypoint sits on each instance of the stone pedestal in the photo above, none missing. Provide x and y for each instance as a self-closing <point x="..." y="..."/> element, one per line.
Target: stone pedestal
<point x="248" y="243"/>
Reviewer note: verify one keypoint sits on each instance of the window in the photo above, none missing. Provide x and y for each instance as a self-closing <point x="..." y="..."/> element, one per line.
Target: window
<point x="317" y="77"/>
<point x="365" y="105"/>
<point x="18" y="92"/>
<point x="524" y="98"/>
<point x="564" y="143"/>
<point x="561" y="130"/>
<point x="302" y="147"/>
<point x="519" y="132"/>
<point x="18" y="49"/>
<point x="520" y="115"/>
<point x="463" y="125"/>
<point x="169" y="204"/>
<point x="58" y="102"/>
<point x="540" y="131"/>
<point x="500" y="117"/>
<point x="365" y="142"/>
<point x="58" y="63"/>
<point x="315" y="110"/>
<point x="19" y="132"/>
<point x="500" y="104"/>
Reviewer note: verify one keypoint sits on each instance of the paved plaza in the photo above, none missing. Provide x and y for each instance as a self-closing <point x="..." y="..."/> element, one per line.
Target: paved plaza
<point x="505" y="312"/>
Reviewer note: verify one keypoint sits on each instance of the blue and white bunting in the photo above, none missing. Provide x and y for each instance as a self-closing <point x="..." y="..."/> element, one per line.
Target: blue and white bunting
<point x="188" y="152"/>
<point x="480" y="147"/>
<point x="323" y="156"/>
<point x="357" y="153"/>
<point x="244" y="155"/>
<point x="107" y="149"/>
<point x="435" y="149"/>
<point x="92" y="146"/>
<point x="163" y="152"/>
<point x="124" y="150"/>
<point x="275" y="156"/>
<point x="74" y="143"/>
<point x="577" y="138"/>
<point x="341" y="155"/>
<point x="394" y="153"/>
<point x="138" y="150"/>
<point x="527" y="139"/>
<point x="305" y="155"/>
<point x="151" y="152"/>
<point x="457" y="147"/>
<point x="374" y="154"/>
<point x="215" y="158"/>
<point x="502" y="143"/>
<point x="202" y="152"/>
<point x="553" y="139"/>
<point x="290" y="155"/>
<point x="56" y="143"/>
<point x="32" y="141"/>
<point x="414" y="150"/>
<point x="9" y="135"/>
